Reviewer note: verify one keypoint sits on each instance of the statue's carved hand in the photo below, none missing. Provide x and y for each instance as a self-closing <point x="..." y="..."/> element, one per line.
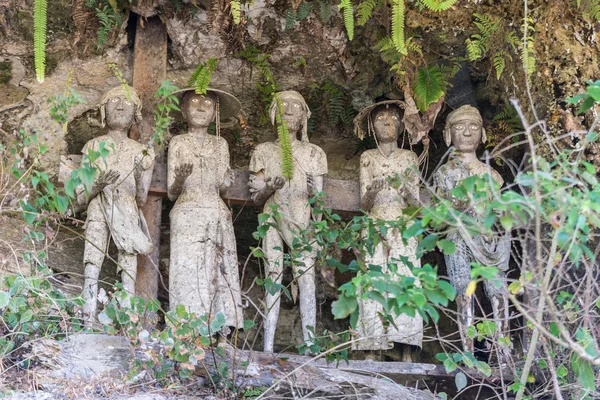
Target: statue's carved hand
<point x="183" y="171"/>
<point x="310" y="182"/>
<point x="229" y="179"/>
<point x="275" y="183"/>
<point x="377" y="185"/>
<point x="107" y="179"/>
<point x="255" y="184"/>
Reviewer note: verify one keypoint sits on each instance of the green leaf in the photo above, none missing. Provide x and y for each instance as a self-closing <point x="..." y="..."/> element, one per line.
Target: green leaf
<point x="562" y="371"/>
<point x="450" y="365"/>
<point x="428" y="87"/>
<point x="249" y="324"/>
<point x="26" y="316"/>
<point x="448" y="247"/>
<point x="4" y="299"/>
<point x="427" y="244"/>
<point x="344" y="306"/>
<point x="461" y="381"/>
<point x="507" y="222"/>
<point x="218" y="322"/>
<point x="594" y="91"/>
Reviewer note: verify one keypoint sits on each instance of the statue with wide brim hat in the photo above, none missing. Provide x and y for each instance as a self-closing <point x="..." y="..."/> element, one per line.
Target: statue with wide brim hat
<point x="384" y="201"/>
<point x="203" y="268"/>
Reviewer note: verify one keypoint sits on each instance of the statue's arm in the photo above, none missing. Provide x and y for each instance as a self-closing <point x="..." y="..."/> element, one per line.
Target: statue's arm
<point x="228" y="176"/>
<point x="261" y="188"/>
<point x="177" y="172"/>
<point x="144" y="170"/>
<point x="368" y="187"/>
<point x="411" y="187"/>
<point x="102" y="180"/>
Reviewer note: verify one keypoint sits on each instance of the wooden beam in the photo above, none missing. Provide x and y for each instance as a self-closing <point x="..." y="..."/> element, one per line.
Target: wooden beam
<point x="149" y="71"/>
<point x="342" y="196"/>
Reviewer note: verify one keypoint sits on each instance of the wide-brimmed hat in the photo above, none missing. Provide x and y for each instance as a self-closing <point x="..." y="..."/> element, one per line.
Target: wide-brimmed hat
<point x="229" y="105"/>
<point x="361" y="121"/>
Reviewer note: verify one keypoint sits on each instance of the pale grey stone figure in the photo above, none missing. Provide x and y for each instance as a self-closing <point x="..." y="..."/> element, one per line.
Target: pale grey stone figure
<point x="378" y="167"/>
<point x="292" y="196"/>
<point x="464" y="130"/>
<point x="203" y="267"/>
<point x="115" y="199"/>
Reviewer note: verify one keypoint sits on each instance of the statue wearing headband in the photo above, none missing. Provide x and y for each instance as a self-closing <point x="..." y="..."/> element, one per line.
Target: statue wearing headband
<point x="203" y="267"/>
<point x="384" y="201"/>
<point x="117" y="194"/>
<point x="464" y="130"/>
<point x="292" y="198"/>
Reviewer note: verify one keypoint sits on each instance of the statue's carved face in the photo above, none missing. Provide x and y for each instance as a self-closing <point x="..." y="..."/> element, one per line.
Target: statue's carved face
<point x="387" y="124"/>
<point x="120" y="112"/>
<point x="466" y="135"/>
<point x="293" y="113"/>
<point x="199" y="110"/>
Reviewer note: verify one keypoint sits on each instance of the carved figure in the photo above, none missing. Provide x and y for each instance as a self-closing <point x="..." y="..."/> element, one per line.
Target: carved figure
<point x="292" y="196"/>
<point x="464" y="130"/>
<point x="384" y="202"/>
<point x="203" y="268"/>
<point x="115" y="199"/>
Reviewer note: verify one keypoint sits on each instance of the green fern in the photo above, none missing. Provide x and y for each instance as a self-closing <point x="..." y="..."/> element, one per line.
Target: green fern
<point x="346" y="7"/>
<point x="438" y="5"/>
<point x="109" y="20"/>
<point x="398" y="26"/>
<point x="479" y="44"/>
<point x="364" y="11"/>
<point x="236" y="11"/>
<point x="40" y="8"/>
<point x="335" y="102"/>
<point x="201" y="76"/>
<point x="287" y="160"/>
<point x="590" y="8"/>
<point x="528" y="49"/>
<point x="113" y="5"/>
<point x="292" y="17"/>
<point x="324" y="12"/>
<point x="499" y="63"/>
<point x="431" y="84"/>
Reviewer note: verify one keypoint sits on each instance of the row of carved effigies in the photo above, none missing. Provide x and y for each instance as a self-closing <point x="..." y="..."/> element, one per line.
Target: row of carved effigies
<point x="204" y="272"/>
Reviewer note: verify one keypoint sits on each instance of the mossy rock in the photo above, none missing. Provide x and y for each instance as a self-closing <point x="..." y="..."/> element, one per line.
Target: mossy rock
<point x="5" y="72"/>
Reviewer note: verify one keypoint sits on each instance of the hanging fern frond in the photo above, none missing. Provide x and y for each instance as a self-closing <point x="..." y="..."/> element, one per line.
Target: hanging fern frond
<point x="325" y="12"/>
<point x="431" y="84"/>
<point x="398" y="26"/>
<point x="109" y="19"/>
<point x="388" y="51"/>
<point x="335" y="102"/>
<point x="364" y="11"/>
<point x="438" y="5"/>
<point x="236" y="11"/>
<point x="40" y="8"/>
<point x="528" y="49"/>
<point x="346" y="7"/>
<point x="201" y="76"/>
<point x="499" y="63"/>
<point x="114" y="6"/>
<point x="287" y="160"/>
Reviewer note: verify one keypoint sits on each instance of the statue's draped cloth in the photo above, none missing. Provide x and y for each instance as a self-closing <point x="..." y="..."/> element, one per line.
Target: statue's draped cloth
<point x="203" y="270"/>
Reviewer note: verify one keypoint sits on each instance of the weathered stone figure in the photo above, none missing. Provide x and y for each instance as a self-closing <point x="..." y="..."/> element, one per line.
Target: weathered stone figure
<point x="384" y="202"/>
<point x="116" y="197"/>
<point x="464" y="130"/>
<point x="203" y="268"/>
<point x="267" y="183"/>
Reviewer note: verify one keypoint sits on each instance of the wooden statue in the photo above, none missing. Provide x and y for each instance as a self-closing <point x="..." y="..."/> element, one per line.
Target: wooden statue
<point x="292" y="196"/>
<point x="203" y="267"/>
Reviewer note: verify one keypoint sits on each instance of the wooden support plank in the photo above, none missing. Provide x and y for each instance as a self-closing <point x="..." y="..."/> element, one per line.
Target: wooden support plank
<point x="149" y="71"/>
<point x="342" y="196"/>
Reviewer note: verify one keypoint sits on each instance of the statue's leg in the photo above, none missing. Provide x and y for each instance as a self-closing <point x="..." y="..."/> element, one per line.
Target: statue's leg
<point x="273" y="249"/>
<point x="96" y="241"/>
<point x="459" y="273"/>
<point x="496" y="292"/>
<point x="128" y="266"/>
<point x="305" y="275"/>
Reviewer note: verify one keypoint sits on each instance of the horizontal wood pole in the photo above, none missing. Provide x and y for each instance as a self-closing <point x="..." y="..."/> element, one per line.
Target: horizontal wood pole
<point x="342" y="196"/>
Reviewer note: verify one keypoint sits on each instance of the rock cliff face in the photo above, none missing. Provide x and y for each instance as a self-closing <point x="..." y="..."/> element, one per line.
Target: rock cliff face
<point x="312" y="56"/>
